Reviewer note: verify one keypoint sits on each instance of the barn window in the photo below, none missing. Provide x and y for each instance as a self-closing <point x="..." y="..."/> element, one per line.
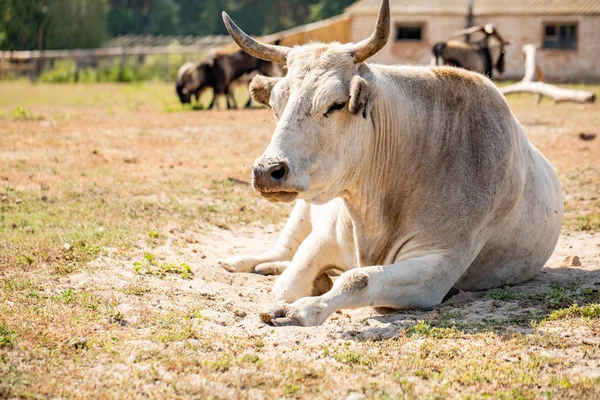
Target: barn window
<point x="411" y="33"/>
<point x="560" y="36"/>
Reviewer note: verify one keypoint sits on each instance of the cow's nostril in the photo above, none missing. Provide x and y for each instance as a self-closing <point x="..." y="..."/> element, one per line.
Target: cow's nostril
<point x="279" y="172"/>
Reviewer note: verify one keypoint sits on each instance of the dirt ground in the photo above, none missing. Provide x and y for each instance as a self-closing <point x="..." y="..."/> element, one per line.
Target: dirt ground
<point x="115" y="205"/>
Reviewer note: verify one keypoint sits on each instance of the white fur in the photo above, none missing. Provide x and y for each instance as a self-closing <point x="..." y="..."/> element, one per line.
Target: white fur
<point x="436" y="187"/>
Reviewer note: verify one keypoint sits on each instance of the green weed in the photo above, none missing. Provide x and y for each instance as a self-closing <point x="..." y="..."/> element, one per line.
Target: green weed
<point x="590" y="311"/>
<point x="423" y="329"/>
<point x="351" y="357"/>
<point x="6" y="337"/>
<point x="151" y="266"/>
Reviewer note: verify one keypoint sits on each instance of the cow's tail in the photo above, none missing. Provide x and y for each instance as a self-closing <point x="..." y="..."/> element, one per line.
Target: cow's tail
<point x="438" y="53"/>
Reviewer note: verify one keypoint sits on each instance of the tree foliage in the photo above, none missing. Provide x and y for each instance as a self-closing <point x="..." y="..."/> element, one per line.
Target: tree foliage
<point x="20" y="21"/>
<point x="52" y="24"/>
<point x="32" y="24"/>
<point x="76" y="24"/>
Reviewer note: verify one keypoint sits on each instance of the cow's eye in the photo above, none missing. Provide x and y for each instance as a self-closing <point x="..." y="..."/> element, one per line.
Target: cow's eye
<point x="335" y="107"/>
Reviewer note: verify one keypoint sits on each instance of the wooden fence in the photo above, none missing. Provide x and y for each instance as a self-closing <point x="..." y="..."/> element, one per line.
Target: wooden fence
<point x="33" y="61"/>
<point x="122" y="47"/>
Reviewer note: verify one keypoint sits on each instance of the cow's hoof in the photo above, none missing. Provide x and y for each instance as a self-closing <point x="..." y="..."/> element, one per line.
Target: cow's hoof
<point x="237" y="264"/>
<point x="272" y="268"/>
<point x="226" y="265"/>
<point x="281" y="316"/>
<point x="308" y="311"/>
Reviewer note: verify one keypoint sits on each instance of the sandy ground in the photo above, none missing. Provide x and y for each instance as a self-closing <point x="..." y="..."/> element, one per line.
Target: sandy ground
<point x="241" y="297"/>
<point x="175" y="168"/>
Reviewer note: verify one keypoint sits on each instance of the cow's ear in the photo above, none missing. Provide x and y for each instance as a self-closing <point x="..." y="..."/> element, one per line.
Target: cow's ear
<point x="360" y="96"/>
<point x="261" y="88"/>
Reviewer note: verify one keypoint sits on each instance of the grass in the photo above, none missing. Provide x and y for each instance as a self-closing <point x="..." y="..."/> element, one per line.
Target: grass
<point x="554" y="297"/>
<point x="423" y="329"/>
<point x="65" y="216"/>
<point x="506" y="294"/>
<point x="109" y="199"/>
<point x="589" y="222"/>
<point x="21" y="113"/>
<point x="151" y="69"/>
<point x="6" y="336"/>
<point x="150" y="266"/>
<point x="112" y="99"/>
<point x="351" y="357"/>
<point x="590" y="311"/>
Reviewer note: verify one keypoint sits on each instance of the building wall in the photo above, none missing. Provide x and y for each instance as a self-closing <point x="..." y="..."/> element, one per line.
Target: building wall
<point x="328" y="30"/>
<point x="434" y="29"/>
<point x="582" y="64"/>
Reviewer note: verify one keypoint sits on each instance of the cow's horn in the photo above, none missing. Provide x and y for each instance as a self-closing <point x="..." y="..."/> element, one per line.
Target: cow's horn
<point x="379" y="38"/>
<point x="256" y="49"/>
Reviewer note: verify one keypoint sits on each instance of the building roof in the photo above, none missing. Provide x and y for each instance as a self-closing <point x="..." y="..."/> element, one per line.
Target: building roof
<point x="480" y="7"/>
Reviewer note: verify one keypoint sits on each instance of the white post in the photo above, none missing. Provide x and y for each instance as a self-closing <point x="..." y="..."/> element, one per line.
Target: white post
<point x="528" y="85"/>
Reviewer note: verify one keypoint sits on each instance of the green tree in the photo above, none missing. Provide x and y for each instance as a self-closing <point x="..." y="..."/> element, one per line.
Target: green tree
<point x="326" y="9"/>
<point x="52" y="24"/>
<point x="163" y="18"/>
<point x="123" y="20"/>
<point x="22" y="23"/>
<point x="157" y="17"/>
<point x="191" y="16"/>
<point x="76" y="24"/>
<point x="30" y="24"/>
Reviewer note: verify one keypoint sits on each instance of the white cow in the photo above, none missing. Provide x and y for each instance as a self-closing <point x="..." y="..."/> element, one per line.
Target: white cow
<point x="412" y="180"/>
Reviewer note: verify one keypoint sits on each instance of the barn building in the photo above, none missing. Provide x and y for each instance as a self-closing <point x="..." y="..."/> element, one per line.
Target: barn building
<point x="566" y="31"/>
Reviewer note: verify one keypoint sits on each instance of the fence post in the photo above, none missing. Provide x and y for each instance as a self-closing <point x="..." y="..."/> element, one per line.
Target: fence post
<point x="77" y="65"/>
<point x="122" y="65"/>
<point x="1" y="67"/>
<point x="167" y="59"/>
<point x="39" y="65"/>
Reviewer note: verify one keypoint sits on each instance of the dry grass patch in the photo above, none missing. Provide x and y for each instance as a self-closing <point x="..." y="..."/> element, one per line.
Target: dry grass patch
<point x="115" y="203"/>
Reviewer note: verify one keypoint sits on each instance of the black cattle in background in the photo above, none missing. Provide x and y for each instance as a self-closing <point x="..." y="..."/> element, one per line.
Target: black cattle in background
<point x="221" y="71"/>
<point x="482" y="56"/>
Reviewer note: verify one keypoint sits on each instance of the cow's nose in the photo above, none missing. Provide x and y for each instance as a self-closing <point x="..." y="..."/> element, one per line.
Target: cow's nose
<point x="269" y="174"/>
<point x="278" y="172"/>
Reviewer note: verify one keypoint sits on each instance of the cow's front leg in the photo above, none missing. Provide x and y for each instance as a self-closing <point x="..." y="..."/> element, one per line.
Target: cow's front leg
<point x="306" y="276"/>
<point x="275" y="260"/>
<point x="418" y="282"/>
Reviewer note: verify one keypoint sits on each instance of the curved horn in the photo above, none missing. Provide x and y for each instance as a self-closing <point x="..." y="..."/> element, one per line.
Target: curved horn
<point x="469" y="31"/>
<point x="378" y="39"/>
<point x="256" y="49"/>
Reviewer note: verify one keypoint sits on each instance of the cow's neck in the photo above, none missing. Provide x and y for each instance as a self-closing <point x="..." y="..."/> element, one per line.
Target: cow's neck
<point x="373" y="237"/>
<point x="375" y="199"/>
<point x="388" y="187"/>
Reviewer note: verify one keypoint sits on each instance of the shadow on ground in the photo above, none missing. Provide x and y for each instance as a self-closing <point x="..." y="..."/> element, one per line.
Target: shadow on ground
<point x="508" y="310"/>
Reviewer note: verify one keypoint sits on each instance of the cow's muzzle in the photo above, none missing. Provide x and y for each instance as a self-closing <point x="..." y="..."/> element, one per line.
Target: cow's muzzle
<point x="269" y="178"/>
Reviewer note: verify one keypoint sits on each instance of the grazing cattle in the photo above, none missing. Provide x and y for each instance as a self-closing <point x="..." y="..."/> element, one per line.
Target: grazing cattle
<point x="193" y="78"/>
<point x="482" y="56"/>
<point x="221" y="71"/>
<point x="411" y="180"/>
<point x="187" y="84"/>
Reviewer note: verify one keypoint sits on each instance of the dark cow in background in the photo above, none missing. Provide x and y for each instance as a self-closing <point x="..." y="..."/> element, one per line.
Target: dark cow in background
<point x="481" y="56"/>
<point x="192" y="79"/>
<point x="221" y="71"/>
